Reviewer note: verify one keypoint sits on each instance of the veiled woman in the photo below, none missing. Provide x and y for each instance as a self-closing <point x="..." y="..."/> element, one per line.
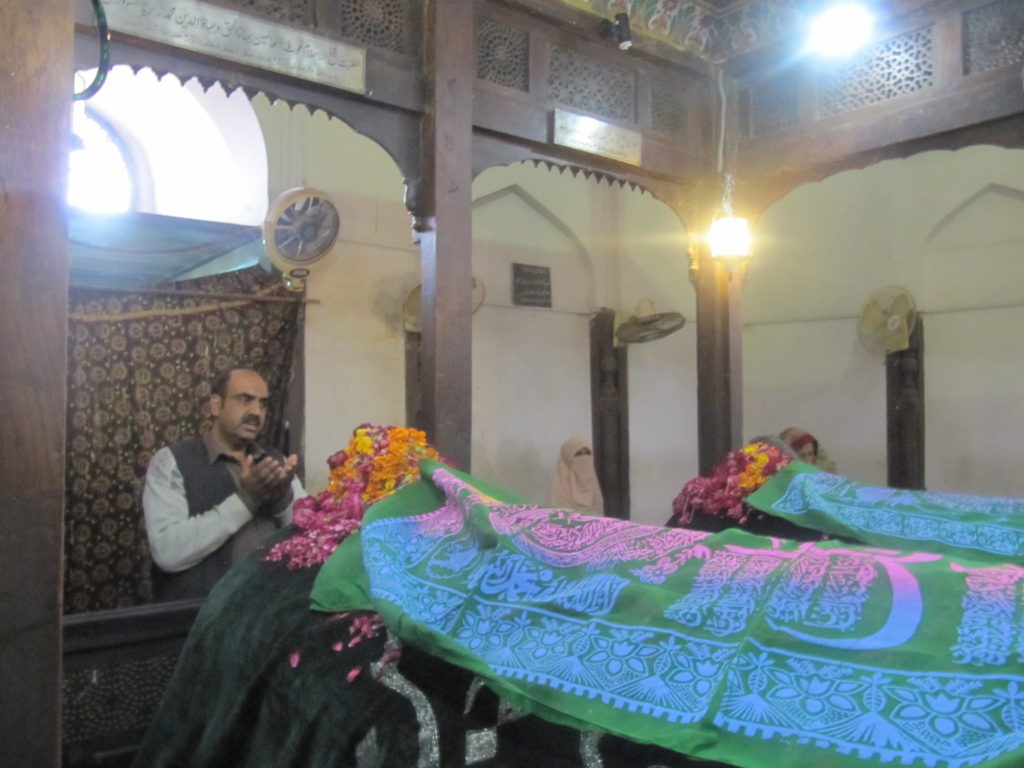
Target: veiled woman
<point x="574" y="483"/>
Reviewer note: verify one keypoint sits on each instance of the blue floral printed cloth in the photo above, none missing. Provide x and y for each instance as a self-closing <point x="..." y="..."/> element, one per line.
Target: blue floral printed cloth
<point x="729" y="646"/>
<point x="980" y="527"/>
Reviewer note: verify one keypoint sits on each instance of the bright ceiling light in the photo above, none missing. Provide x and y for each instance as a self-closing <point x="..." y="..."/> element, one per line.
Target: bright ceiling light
<point x="840" y="29"/>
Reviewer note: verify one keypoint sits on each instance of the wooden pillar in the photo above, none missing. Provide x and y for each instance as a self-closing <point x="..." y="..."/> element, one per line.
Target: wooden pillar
<point x="444" y="225"/>
<point x="904" y="412"/>
<point x="719" y="326"/>
<point x="719" y="359"/>
<point x="719" y="337"/>
<point x="35" y="126"/>
<point x="609" y="398"/>
<point x="413" y="381"/>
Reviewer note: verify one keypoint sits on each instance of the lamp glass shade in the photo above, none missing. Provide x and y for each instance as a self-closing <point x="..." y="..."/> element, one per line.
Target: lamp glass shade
<point x="730" y="238"/>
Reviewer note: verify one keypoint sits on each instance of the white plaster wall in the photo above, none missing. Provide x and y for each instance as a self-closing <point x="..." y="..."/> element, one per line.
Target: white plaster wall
<point x="816" y="375"/>
<point x="611" y="247"/>
<point x="531" y="391"/>
<point x="354" y="345"/>
<point x="973" y="295"/>
<point x="949" y="226"/>
<point x="974" y="367"/>
<point x="653" y="265"/>
<point x="819" y="253"/>
<point x="531" y="369"/>
<point x="606" y="246"/>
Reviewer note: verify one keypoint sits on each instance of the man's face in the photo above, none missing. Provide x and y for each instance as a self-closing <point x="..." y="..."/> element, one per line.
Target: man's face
<point x="238" y="417"/>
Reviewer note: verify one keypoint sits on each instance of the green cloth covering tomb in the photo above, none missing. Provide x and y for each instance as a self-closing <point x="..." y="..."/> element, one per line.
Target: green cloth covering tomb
<point x="731" y="647"/>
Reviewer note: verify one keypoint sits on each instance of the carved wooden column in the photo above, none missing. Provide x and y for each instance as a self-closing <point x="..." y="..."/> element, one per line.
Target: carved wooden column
<point x="719" y="357"/>
<point x="719" y="327"/>
<point x="444" y="224"/>
<point x="609" y="397"/>
<point x="719" y="334"/>
<point x="35" y="127"/>
<point x="904" y="412"/>
<point x="718" y="294"/>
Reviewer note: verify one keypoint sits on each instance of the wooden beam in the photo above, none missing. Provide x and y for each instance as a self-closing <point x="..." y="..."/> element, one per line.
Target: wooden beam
<point x="953" y="109"/>
<point x="388" y="113"/>
<point x="444" y="224"/>
<point x="584" y="23"/>
<point x="35" y="131"/>
<point x="1006" y="132"/>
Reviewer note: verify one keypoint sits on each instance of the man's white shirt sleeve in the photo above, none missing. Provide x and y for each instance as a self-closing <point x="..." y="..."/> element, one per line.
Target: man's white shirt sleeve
<point x="284" y="517"/>
<point x="177" y="541"/>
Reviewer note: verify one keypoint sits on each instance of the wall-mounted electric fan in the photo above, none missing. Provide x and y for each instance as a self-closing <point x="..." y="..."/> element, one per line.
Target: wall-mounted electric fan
<point x="648" y="325"/>
<point x="301" y="227"/>
<point x="411" y="306"/>
<point x="886" y="320"/>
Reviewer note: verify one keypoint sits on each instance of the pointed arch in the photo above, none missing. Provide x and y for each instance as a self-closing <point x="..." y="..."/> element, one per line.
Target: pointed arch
<point x="988" y="192"/>
<point x="579" y="250"/>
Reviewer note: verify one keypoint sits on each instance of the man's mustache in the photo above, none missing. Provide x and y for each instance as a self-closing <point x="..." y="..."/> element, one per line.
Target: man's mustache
<point x="251" y="420"/>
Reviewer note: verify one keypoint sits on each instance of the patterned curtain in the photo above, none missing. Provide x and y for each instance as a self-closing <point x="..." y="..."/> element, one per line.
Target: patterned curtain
<point x="139" y="371"/>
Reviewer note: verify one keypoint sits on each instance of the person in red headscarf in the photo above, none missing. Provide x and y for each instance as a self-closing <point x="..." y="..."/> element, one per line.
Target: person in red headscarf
<point x="807" y="448"/>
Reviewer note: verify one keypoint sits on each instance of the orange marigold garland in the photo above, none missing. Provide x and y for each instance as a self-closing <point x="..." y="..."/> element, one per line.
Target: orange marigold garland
<point x="377" y="461"/>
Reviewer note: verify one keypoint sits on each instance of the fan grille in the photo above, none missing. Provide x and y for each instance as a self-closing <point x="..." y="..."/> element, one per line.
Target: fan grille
<point x="887" y="320"/>
<point x="300" y="229"/>
<point x="649" y="328"/>
<point x="412" y="304"/>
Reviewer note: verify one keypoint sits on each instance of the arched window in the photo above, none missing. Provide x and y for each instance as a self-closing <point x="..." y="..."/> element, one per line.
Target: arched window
<point x="100" y="179"/>
<point x="184" y="151"/>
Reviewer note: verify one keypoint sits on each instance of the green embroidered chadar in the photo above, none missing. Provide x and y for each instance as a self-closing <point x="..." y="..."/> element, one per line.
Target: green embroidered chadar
<point x="732" y="647"/>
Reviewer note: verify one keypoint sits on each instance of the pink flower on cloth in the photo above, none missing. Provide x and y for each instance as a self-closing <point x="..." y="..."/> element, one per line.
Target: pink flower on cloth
<point x="377" y="462"/>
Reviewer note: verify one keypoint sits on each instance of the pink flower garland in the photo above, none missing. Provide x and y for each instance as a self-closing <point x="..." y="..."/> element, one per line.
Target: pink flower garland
<point x="377" y="461"/>
<point x="323" y="522"/>
<point x="734" y="478"/>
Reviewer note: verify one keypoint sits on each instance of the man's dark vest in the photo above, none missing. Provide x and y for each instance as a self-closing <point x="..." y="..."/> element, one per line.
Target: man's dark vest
<point x="206" y="485"/>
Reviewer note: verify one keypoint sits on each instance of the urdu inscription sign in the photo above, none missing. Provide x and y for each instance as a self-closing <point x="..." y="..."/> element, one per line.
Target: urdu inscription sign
<point x="531" y="285"/>
<point x="589" y="134"/>
<point x="233" y="36"/>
